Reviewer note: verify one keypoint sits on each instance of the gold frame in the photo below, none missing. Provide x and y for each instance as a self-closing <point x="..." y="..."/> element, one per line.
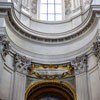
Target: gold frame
<point x="32" y="85"/>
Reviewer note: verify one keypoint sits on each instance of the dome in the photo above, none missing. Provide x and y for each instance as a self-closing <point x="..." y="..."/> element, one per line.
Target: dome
<point x="51" y="10"/>
<point x="45" y="55"/>
<point x="29" y="13"/>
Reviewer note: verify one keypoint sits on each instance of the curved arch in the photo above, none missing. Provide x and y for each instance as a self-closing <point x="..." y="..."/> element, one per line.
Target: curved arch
<point x="52" y="87"/>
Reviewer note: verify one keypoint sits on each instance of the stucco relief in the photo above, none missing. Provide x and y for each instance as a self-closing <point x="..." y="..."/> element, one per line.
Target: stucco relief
<point x="34" y="6"/>
<point x="67" y="7"/>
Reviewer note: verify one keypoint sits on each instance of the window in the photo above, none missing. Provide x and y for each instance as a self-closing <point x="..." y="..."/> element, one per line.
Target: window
<point x="51" y="10"/>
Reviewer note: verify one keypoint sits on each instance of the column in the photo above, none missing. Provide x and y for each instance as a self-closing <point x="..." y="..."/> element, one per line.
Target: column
<point x="1" y="64"/>
<point x="82" y="86"/>
<point x="19" y="86"/>
<point x="94" y="71"/>
<point x="80" y="66"/>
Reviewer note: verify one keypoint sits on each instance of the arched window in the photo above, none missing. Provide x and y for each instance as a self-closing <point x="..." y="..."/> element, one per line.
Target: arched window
<point x="51" y="10"/>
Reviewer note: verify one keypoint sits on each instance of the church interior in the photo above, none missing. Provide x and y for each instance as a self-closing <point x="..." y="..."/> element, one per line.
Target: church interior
<point x="49" y="50"/>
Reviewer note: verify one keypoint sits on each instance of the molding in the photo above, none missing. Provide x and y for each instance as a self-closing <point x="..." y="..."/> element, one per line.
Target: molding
<point x="44" y="37"/>
<point x="47" y="83"/>
<point x="54" y="59"/>
<point x="42" y="71"/>
<point x="24" y="31"/>
<point x="27" y="66"/>
<point x="93" y="69"/>
<point x="8" y="68"/>
<point x="39" y="36"/>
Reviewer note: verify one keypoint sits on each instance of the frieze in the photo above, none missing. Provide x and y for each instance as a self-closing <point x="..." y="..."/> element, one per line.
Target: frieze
<point x="25" y="65"/>
<point x="46" y="71"/>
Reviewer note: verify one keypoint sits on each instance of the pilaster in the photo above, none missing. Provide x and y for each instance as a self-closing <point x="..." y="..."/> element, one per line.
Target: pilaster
<point x="80" y="66"/>
<point x="1" y="64"/>
<point x="19" y="86"/>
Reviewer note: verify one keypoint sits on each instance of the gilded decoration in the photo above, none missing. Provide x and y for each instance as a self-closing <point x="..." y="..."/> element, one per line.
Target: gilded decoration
<point x="50" y="71"/>
<point x="25" y="65"/>
<point x="58" y="88"/>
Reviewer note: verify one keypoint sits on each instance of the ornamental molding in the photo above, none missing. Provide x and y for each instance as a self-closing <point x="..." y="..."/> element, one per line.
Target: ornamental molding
<point x="51" y="71"/>
<point x="26" y="65"/>
<point x="15" y="23"/>
<point x="48" y="40"/>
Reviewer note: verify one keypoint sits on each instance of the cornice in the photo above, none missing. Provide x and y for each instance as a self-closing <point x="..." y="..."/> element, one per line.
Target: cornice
<point x="23" y="63"/>
<point x="46" y="37"/>
<point x="36" y="36"/>
<point x="54" y="59"/>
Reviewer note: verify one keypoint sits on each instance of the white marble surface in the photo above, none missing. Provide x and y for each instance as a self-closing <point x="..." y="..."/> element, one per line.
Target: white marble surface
<point x="19" y="86"/>
<point x="13" y="84"/>
<point x="82" y="87"/>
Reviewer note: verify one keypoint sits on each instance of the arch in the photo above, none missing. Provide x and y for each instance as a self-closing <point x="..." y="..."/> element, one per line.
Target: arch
<point x="53" y="88"/>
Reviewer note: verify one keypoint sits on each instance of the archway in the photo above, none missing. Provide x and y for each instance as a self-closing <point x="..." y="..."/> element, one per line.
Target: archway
<point x="50" y="90"/>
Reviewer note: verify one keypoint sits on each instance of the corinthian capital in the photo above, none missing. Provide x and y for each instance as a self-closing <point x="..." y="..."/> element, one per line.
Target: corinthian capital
<point x="6" y="47"/>
<point x="80" y="64"/>
<point x="96" y="49"/>
<point x="21" y="63"/>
